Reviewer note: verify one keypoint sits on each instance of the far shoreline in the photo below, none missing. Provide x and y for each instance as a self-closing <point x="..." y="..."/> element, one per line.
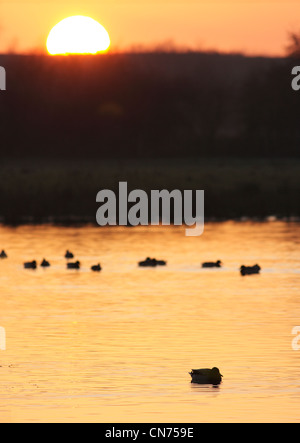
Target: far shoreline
<point x="75" y="221"/>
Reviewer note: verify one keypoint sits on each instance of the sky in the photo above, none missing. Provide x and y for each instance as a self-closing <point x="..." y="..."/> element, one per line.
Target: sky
<point x="247" y="26"/>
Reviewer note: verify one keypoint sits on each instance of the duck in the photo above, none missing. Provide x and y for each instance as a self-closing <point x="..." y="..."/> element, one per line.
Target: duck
<point x="148" y="262"/>
<point x="75" y="265"/>
<point x="206" y="376"/>
<point x="96" y="268"/>
<point x="152" y="262"/>
<point x="30" y="265"/>
<point x="248" y="270"/>
<point x="212" y="264"/>
<point x="3" y="254"/>
<point x="69" y="254"/>
<point x="45" y="264"/>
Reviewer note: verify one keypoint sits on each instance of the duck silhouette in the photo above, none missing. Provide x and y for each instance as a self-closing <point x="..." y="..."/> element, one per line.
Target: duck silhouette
<point x="3" y="254"/>
<point x="148" y="262"/>
<point x="96" y="268"/>
<point x="45" y="264"/>
<point x="75" y="265"/>
<point x="206" y="376"/>
<point x="30" y="264"/>
<point x="152" y="262"/>
<point x="248" y="270"/>
<point x="212" y="264"/>
<point x="69" y="254"/>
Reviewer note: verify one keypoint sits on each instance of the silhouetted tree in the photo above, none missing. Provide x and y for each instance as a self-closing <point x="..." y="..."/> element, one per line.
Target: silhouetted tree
<point x="293" y="46"/>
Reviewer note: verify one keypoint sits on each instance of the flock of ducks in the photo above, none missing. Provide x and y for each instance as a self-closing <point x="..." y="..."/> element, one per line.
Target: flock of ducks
<point x="45" y="264"/>
<point x="204" y="376"/>
<point x="244" y="270"/>
<point x="200" y="376"/>
<point x="148" y="262"/>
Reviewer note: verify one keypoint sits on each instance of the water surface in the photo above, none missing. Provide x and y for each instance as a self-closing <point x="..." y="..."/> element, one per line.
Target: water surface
<point x="117" y="346"/>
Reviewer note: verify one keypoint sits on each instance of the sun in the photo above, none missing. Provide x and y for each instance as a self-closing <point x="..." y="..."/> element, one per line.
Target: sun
<point x="77" y="35"/>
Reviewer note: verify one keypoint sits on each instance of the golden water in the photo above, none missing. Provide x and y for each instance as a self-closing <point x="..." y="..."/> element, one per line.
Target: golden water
<point x="117" y="346"/>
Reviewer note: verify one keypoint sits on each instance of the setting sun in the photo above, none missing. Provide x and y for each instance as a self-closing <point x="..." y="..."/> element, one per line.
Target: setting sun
<point x="77" y="35"/>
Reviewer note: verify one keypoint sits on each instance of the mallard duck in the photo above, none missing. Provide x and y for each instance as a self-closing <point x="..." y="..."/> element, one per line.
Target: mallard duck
<point x="3" y="254"/>
<point x="45" y="264"/>
<point x="30" y="265"/>
<point x="206" y="376"/>
<point x="248" y="270"/>
<point x="75" y="265"/>
<point x="69" y="254"/>
<point x="96" y="268"/>
<point x="212" y="264"/>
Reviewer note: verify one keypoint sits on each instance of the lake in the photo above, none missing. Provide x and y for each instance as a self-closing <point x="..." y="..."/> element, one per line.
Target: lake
<point x="117" y="346"/>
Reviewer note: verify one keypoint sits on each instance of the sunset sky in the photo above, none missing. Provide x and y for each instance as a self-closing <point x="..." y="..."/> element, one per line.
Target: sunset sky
<point x="253" y="27"/>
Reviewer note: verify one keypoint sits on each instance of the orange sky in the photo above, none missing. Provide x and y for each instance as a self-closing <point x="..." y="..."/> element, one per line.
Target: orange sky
<point x="254" y="27"/>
